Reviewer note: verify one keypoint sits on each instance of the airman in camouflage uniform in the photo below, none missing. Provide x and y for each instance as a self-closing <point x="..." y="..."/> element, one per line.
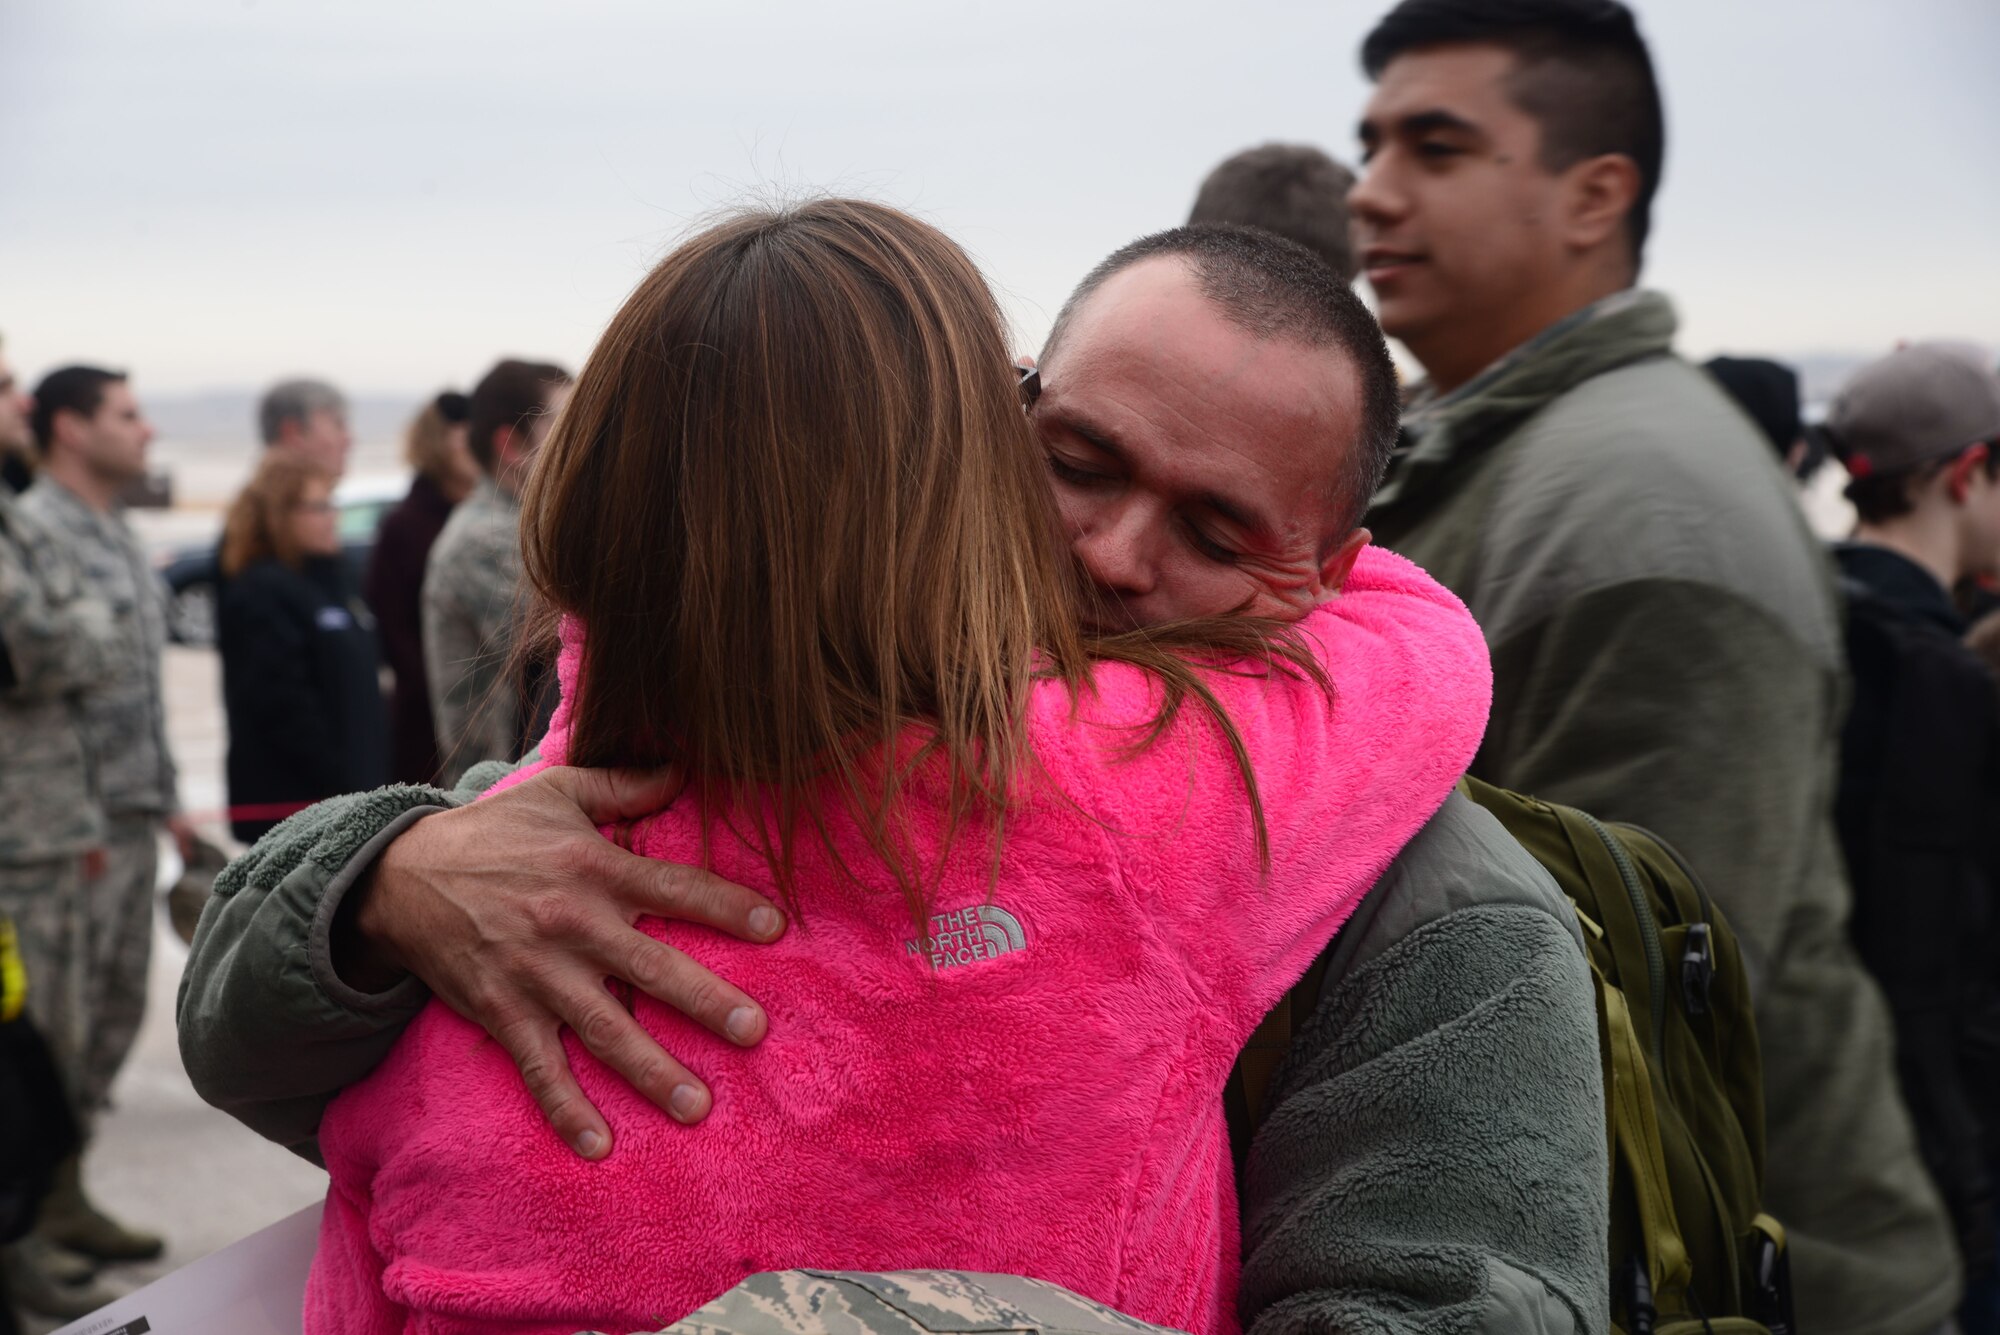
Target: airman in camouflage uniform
<point x="472" y="598"/>
<point x="92" y="439"/>
<point x="56" y="642"/>
<point x="471" y="607"/>
<point x="904" y="1302"/>
<point x="125" y="728"/>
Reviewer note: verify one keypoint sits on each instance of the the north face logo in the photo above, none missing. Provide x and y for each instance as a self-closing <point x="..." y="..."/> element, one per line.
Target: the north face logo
<point x="966" y="936"/>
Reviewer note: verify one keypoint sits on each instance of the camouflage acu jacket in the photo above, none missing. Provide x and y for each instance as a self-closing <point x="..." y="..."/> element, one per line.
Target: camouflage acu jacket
<point x="56" y="643"/>
<point x="125" y="720"/>
<point x="904" y="1302"/>
<point x="470" y="610"/>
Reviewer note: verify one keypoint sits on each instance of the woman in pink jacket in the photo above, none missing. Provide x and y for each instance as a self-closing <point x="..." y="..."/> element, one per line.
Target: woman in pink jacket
<point x="1044" y="884"/>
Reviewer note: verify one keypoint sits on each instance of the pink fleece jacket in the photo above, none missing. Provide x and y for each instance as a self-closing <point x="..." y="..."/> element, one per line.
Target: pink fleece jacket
<point x="1032" y="1086"/>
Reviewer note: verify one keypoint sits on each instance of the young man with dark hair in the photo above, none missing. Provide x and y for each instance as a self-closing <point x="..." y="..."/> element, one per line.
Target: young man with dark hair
<point x="57" y="643"/>
<point x="1920" y="758"/>
<point x="93" y="437"/>
<point x="1666" y="639"/>
<point x="1293" y="190"/>
<point x="473" y="575"/>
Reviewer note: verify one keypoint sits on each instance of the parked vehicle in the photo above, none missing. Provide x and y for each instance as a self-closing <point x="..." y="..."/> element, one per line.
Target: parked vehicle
<point x="190" y="569"/>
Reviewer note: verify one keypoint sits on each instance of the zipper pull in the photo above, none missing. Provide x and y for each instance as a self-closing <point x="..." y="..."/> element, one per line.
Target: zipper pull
<point x="1697" y="969"/>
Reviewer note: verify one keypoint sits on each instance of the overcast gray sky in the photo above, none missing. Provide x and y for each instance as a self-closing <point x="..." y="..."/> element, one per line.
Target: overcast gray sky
<point x="393" y="192"/>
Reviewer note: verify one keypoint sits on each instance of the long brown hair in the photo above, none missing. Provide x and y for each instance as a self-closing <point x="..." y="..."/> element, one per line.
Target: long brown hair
<point x="798" y="509"/>
<point x="259" y="524"/>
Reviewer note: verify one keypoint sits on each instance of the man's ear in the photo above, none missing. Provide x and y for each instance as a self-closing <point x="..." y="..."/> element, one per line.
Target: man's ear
<point x="1959" y="476"/>
<point x="68" y="428"/>
<point x="1601" y="193"/>
<point x="504" y="438"/>
<point x="1339" y="563"/>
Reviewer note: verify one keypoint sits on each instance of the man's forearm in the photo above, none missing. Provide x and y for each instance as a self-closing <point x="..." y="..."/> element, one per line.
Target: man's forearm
<point x="273" y="1020"/>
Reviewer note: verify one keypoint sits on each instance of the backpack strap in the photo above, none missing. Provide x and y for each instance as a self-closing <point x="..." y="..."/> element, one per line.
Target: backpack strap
<point x="1635" y="1146"/>
<point x="1246" y="1098"/>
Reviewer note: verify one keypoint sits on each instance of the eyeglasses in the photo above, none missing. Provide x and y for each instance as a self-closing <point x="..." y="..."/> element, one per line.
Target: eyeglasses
<point x="1030" y="383"/>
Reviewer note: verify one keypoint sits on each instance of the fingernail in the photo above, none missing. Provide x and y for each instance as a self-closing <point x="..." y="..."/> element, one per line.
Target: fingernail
<point x="742" y="1024"/>
<point x="686" y="1101"/>
<point x="764" y="921"/>
<point x="589" y="1144"/>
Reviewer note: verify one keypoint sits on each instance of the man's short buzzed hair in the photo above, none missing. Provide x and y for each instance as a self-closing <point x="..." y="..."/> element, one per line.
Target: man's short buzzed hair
<point x="295" y="401"/>
<point x="1295" y="190"/>
<point x="1581" y="70"/>
<point x="1277" y="289"/>
<point x="74" y="389"/>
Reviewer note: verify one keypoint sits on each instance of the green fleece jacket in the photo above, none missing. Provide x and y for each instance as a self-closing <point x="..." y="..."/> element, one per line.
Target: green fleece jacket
<point x="1667" y="651"/>
<point x="1433" y="1161"/>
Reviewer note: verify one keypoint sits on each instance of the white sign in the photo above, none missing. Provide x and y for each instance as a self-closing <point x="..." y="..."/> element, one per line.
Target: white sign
<point x="253" y="1287"/>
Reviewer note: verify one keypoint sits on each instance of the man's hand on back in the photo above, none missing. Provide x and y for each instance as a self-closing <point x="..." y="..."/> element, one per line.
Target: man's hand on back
<point x="514" y="910"/>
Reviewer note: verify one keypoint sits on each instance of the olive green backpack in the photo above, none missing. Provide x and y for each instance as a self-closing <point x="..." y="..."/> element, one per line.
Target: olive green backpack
<point x="1691" y="1249"/>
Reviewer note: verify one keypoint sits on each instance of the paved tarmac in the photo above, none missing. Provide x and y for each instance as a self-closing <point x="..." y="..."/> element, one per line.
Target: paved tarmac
<point x="162" y="1158"/>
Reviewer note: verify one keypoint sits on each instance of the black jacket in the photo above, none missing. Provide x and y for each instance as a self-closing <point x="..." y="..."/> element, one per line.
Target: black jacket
<point x="301" y="684"/>
<point x="395" y="578"/>
<point x="1918" y="806"/>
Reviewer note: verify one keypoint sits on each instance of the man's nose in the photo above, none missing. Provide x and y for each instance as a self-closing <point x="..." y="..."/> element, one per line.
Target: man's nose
<point x="1374" y="197"/>
<point x="1116" y="550"/>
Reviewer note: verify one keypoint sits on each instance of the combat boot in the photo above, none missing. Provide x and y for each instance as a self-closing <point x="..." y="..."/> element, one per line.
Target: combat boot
<point x="33" y="1289"/>
<point x="70" y="1220"/>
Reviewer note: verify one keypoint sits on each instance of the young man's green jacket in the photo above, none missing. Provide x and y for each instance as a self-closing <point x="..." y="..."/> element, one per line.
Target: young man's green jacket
<point x="1667" y="651"/>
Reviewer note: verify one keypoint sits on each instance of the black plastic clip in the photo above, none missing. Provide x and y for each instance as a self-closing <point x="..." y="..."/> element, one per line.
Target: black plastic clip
<point x="1697" y="969"/>
<point x="1639" y="1311"/>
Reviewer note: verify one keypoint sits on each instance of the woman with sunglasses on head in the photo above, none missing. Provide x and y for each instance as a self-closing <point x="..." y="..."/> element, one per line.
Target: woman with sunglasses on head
<point x="301" y="676"/>
<point x="800" y="542"/>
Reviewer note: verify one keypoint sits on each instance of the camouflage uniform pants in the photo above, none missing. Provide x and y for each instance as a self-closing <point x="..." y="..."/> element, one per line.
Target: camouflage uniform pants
<point x="45" y="902"/>
<point x="118" y="947"/>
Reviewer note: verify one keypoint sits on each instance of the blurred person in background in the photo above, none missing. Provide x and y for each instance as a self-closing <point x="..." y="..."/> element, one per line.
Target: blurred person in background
<point x="1295" y="190"/>
<point x="57" y="642"/>
<point x="1666" y="636"/>
<point x="17" y="444"/>
<point x="445" y="475"/>
<point x="1768" y="393"/>
<point x="486" y="709"/>
<point x="1919" y="806"/>
<point x="307" y="418"/>
<point x="92" y="438"/>
<point x="300" y="660"/>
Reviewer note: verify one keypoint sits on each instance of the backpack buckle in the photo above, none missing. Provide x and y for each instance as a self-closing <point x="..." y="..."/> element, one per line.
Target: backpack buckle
<point x="1770" y="1276"/>
<point x="1697" y="969"/>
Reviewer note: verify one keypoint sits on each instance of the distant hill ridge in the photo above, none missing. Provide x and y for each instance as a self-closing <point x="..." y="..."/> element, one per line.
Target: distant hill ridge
<point x="229" y="416"/>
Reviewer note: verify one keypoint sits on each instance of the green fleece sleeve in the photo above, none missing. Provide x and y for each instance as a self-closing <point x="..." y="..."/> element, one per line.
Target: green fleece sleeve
<point x="268" y="1032"/>
<point x="1611" y="703"/>
<point x="1435" y="1161"/>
